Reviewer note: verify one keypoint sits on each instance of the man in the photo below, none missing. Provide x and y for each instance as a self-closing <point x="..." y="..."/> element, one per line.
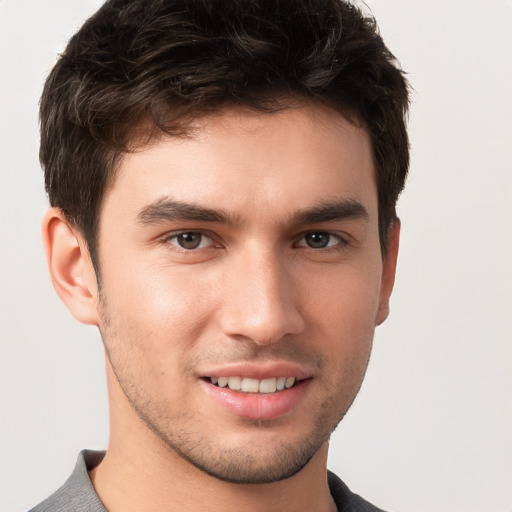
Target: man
<point x="223" y="178"/>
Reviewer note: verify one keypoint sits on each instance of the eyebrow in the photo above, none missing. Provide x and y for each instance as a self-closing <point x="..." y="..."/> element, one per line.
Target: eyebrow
<point x="167" y="209"/>
<point x="328" y="211"/>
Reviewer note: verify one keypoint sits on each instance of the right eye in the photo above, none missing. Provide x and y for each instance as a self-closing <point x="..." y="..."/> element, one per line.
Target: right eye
<point x="190" y="240"/>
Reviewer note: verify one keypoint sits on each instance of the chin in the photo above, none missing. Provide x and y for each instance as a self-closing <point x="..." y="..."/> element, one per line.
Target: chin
<point x="241" y="466"/>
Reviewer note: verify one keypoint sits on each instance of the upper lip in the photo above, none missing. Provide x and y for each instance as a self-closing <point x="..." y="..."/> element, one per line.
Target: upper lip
<point x="257" y="370"/>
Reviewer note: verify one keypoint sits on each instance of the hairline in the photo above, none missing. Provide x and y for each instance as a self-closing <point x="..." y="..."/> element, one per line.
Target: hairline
<point x="145" y="134"/>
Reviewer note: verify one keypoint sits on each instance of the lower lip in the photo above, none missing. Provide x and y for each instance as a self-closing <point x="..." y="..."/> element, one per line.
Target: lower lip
<point x="258" y="406"/>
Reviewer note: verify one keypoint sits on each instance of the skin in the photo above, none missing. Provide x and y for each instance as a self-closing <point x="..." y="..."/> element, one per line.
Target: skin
<point x="260" y="290"/>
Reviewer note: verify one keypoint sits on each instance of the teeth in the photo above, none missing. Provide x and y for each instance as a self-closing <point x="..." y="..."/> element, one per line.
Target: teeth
<point x="250" y="385"/>
<point x="235" y="383"/>
<point x="254" y="385"/>
<point x="290" y="381"/>
<point x="268" y="386"/>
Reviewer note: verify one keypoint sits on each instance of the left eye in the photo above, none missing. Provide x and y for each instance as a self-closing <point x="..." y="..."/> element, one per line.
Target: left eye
<point x="190" y="240"/>
<point x="319" y="240"/>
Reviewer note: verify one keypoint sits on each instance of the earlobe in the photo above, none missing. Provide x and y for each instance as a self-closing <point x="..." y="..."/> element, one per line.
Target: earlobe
<point x="70" y="267"/>
<point x="388" y="272"/>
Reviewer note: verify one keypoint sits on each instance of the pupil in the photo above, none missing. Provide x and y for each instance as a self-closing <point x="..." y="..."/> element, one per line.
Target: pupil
<point x="317" y="240"/>
<point x="189" y="240"/>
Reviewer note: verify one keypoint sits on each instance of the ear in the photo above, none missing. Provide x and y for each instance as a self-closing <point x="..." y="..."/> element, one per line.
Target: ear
<point x="70" y="266"/>
<point x="388" y="272"/>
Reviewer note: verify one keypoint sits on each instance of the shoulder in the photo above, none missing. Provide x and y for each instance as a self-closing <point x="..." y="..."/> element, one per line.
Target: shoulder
<point x="77" y="493"/>
<point x="345" y="499"/>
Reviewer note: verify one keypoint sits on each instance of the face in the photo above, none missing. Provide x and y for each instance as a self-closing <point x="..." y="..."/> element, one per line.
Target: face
<point x="240" y="286"/>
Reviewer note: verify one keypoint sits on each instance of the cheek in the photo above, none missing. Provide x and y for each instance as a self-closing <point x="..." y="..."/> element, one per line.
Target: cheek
<point x="347" y="299"/>
<point x="345" y="307"/>
<point x="158" y="310"/>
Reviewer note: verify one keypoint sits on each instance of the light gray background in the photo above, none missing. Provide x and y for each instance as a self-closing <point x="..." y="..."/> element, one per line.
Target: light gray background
<point x="432" y="427"/>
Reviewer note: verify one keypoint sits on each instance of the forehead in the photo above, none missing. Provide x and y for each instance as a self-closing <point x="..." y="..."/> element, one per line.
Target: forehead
<point x="244" y="160"/>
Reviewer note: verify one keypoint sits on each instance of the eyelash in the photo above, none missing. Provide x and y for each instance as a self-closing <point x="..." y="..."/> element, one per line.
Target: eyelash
<point x="340" y="244"/>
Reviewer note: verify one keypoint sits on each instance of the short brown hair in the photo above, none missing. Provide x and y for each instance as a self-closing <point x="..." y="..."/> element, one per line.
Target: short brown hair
<point x="169" y="61"/>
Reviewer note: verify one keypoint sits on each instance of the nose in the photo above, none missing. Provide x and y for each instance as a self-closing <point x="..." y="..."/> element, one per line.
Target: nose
<point x="260" y="299"/>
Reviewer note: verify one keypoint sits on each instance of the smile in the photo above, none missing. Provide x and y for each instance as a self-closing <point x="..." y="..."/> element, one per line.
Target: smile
<point x="247" y="385"/>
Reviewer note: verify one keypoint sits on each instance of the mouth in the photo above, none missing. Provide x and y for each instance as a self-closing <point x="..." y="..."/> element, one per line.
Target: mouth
<point x="254" y="386"/>
<point x="263" y="392"/>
